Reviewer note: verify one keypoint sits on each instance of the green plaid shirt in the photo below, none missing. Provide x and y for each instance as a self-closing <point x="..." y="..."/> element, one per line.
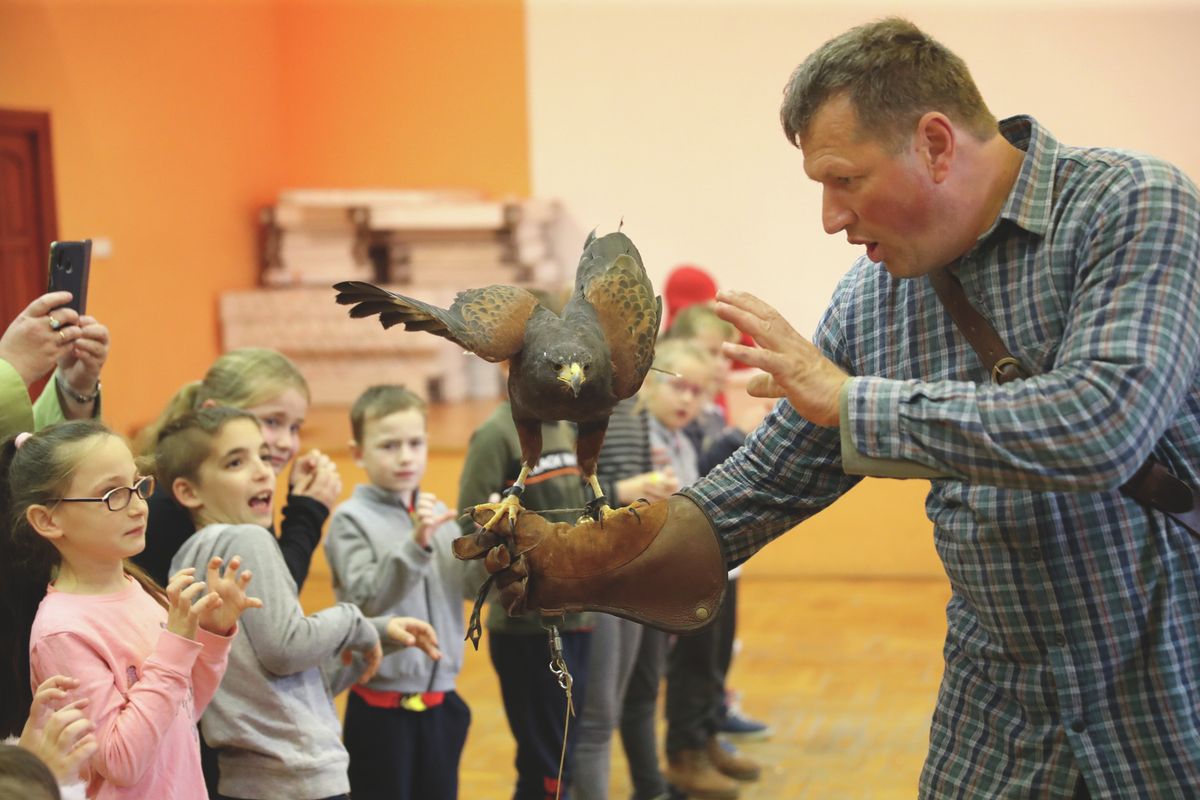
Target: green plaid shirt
<point x="1073" y="639"/>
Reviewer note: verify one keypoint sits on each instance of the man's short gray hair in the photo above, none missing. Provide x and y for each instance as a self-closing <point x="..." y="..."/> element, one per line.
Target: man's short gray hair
<point x="893" y="73"/>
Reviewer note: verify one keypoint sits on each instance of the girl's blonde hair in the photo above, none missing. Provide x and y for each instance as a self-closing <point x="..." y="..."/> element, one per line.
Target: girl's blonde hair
<point x="693" y="319"/>
<point x="240" y="378"/>
<point x="36" y="474"/>
<point x="668" y="354"/>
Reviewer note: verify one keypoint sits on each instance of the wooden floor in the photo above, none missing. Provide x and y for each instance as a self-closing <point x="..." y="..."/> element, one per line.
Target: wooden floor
<point x="845" y="670"/>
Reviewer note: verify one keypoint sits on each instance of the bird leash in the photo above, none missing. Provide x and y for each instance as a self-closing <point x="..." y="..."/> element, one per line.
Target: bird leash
<point x="558" y="668"/>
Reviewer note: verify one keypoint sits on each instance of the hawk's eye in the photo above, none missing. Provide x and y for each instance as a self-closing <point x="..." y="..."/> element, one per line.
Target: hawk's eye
<point x="558" y="366"/>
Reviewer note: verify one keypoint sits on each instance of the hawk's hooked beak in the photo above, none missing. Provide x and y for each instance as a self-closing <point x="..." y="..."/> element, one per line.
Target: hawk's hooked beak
<point x="572" y="375"/>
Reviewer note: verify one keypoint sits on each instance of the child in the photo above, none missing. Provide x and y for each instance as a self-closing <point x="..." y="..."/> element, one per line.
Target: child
<point x="534" y="702"/>
<point x="273" y="723"/>
<point x="389" y="551"/>
<point x="147" y="661"/>
<point x="267" y="385"/>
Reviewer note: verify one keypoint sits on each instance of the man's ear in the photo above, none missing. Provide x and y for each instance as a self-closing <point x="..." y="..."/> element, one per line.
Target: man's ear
<point x="184" y="492"/>
<point x="42" y="520"/>
<point x="356" y="452"/>
<point x="936" y="144"/>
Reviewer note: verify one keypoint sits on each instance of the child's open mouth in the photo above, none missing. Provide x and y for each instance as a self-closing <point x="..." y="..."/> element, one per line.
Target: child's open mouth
<point x="261" y="502"/>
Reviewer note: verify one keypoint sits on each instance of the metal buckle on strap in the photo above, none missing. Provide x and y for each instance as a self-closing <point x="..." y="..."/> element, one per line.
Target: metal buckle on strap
<point x="1003" y="364"/>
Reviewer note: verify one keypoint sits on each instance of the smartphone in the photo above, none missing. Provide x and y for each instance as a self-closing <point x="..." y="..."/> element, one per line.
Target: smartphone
<point x="69" y="265"/>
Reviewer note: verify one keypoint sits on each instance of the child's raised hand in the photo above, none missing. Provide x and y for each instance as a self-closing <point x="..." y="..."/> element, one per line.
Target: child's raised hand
<point x="185" y="603"/>
<point x="426" y="518"/>
<point x="417" y="633"/>
<point x="315" y="475"/>
<point x="231" y="588"/>
<point x="63" y="736"/>
<point x="49" y="697"/>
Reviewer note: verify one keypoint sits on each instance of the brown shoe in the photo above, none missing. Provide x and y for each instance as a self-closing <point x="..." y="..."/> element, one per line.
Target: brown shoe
<point x="731" y="762"/>
<point x="693" y="774"/>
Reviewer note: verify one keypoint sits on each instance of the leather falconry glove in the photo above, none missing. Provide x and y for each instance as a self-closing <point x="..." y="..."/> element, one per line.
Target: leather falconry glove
<point x="656" y="563"/>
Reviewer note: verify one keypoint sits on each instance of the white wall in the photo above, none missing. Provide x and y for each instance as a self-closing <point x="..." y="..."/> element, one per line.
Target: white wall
<point x="666" y="113"/>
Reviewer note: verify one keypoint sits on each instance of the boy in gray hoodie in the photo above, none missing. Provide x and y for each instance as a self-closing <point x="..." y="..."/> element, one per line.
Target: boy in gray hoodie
<point x="389" y="550"/>
<point x="272" y="721"/>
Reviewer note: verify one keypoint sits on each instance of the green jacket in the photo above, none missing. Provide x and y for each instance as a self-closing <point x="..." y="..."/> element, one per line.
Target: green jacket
<point x="17" y="413"/>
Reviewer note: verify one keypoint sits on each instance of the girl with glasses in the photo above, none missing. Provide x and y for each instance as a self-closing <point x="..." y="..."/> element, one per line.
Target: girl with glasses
<point x="146" y="660"/>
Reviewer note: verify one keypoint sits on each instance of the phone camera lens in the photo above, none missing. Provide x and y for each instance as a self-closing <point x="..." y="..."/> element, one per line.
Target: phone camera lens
<point x="67" y="266"/>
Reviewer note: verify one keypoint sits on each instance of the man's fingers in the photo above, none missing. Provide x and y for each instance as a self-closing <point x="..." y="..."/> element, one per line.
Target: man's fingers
<point x="497" y="559"/>
<point x="475" y="545"/>
<point x="519" y="571"/>
<point x="512" y="597"/>
<point x="764" y="386"/>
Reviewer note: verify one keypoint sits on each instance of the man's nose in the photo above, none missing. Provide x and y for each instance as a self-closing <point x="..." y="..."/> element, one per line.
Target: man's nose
<point x="835" y="216"/>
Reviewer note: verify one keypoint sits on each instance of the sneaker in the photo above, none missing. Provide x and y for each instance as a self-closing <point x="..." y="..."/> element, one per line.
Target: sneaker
<point x="738" y="725"/>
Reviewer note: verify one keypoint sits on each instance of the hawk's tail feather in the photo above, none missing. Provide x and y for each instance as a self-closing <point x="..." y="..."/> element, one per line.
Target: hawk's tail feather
<point x="369" y="308"/>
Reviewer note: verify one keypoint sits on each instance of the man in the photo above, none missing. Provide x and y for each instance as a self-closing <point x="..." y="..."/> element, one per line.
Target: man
<point x="1072" y="663"/>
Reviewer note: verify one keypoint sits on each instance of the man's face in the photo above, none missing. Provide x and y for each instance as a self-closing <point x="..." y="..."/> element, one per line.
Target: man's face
<point x="883" y="200"/>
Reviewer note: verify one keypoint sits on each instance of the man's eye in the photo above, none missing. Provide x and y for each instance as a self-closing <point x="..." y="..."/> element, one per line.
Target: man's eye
<point x="234" y="463"/>
<point x="271" y="423"/>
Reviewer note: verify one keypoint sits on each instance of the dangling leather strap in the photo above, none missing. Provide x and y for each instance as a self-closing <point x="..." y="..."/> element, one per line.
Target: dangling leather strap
<point x="1152" y="485"/>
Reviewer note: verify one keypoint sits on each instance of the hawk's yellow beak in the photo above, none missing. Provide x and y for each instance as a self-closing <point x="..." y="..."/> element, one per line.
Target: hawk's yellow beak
<point x="572" y="375"/>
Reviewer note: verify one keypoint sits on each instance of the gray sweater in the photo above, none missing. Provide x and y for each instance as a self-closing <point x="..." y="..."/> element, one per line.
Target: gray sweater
<point x="378" y="566"/>
<point x="273" y="720"/>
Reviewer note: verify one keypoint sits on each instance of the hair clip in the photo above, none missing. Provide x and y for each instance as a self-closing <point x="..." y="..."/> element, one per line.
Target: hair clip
<point x="21" y="438"/>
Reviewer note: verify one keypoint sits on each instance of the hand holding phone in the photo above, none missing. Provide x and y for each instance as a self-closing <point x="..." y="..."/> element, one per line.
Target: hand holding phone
<point x="70" y="263"/>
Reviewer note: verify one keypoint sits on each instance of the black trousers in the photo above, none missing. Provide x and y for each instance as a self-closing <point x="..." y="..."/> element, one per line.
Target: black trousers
<point x="696" y="667"/>
<point x="396" y="754"/>
<point x="536" y="705"/>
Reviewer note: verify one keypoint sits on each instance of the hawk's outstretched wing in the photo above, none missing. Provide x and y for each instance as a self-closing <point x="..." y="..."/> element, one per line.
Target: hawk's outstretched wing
<point x="489" y="322"/>
<point x="629" y="314"/>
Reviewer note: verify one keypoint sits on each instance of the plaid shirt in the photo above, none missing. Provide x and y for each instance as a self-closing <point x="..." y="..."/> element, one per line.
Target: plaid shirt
<point x="1072" y="643"/>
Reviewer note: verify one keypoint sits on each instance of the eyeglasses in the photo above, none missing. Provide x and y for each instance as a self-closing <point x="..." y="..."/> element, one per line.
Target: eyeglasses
<point x="117" y="499"/>
<point x="682" y="386"/>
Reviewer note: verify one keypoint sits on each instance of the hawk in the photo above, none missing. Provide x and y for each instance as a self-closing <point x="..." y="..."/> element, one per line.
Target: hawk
<point x="572" y="366"/>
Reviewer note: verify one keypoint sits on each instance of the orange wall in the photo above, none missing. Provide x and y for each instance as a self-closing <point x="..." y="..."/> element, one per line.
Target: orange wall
<point x="165" y="128"/>
<point x="413" y="93"/>
<point x="173" y="121"/>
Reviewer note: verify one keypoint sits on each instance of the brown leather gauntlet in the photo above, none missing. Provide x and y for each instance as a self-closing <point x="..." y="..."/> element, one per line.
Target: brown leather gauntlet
<point x="659" y="564"/>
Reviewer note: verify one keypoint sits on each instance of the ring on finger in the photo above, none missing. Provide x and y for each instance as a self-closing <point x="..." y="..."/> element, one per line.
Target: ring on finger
<point x="54" y="324"/>
<point x="62" y="338"/>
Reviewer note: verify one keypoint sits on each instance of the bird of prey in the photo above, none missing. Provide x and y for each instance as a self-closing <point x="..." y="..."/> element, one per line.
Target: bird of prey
<point x="571" y="366"/>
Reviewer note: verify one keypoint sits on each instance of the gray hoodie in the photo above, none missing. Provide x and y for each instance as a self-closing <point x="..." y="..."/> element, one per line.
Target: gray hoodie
<point x="378" y="565"/>
<point x="273" y="720"/>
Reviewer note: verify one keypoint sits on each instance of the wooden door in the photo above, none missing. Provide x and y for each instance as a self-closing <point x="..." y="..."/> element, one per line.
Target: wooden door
<point x="28" y="221"/>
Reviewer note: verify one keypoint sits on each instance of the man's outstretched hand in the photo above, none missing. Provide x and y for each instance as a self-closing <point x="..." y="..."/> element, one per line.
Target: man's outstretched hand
<point x="791" y="365"/>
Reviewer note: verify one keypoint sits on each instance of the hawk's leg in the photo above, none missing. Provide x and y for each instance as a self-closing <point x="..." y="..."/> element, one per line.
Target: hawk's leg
<point x="510" y="506"/>
<point x="529" y="433"/>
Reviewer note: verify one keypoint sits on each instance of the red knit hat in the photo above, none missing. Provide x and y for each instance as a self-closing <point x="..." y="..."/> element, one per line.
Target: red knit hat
<point x="686" y="286"/>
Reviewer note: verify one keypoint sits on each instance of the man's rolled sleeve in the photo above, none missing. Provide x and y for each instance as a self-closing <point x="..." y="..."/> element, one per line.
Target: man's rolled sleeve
<point x="871" y="430"/>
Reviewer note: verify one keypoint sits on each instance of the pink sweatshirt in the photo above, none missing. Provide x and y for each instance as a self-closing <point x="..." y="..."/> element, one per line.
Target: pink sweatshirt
<point x="147" y="688"/>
